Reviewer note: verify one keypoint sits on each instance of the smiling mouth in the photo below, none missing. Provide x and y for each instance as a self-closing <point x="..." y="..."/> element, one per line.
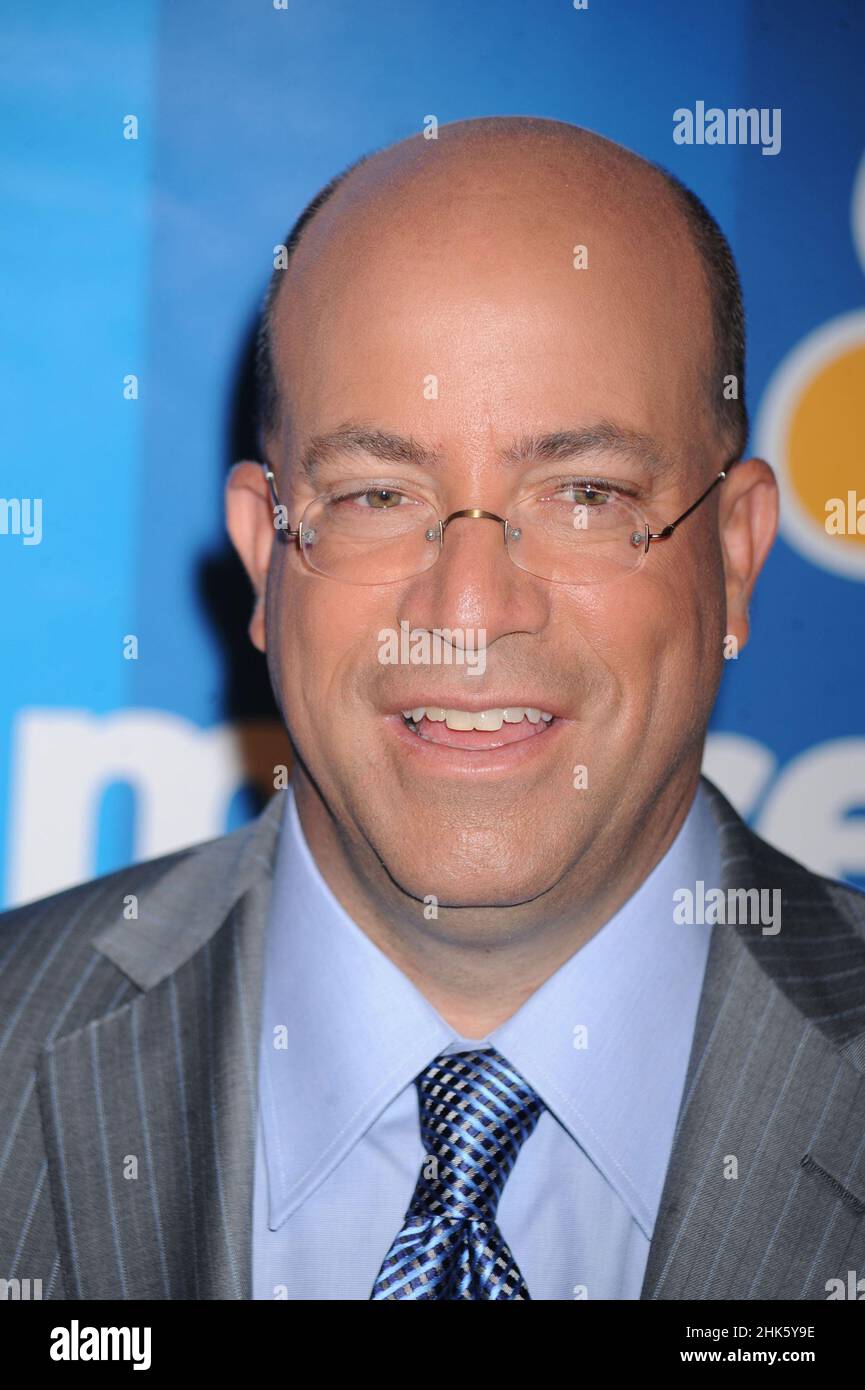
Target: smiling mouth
<point x="481" y="729"/>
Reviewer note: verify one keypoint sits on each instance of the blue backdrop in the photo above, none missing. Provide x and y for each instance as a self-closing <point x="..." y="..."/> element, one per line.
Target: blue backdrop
<point x="132" y="271"/>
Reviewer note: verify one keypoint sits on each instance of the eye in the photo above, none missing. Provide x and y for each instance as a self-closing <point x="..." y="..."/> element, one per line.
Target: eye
<point x="380" y="499"/>
<point x="589" y="496"/>
<point x="584" y="494"/>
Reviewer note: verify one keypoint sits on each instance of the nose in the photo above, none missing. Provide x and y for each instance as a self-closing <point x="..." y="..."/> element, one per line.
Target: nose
<point x="478" y="548"/>
<point x="474" y="582"/>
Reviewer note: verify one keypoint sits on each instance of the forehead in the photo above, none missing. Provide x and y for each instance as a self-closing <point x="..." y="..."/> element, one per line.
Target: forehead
<point x="512" y="302"/>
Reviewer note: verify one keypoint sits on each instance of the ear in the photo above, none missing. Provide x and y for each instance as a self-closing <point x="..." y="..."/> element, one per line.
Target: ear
<point x="748" y="520"/>
<point x="249" y="518"/>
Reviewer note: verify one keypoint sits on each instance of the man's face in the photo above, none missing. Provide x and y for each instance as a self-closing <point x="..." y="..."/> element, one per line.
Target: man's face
<point x="484" y="301"/>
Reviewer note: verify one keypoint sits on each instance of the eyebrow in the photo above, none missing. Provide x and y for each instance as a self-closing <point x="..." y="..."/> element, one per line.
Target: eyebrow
<point x="360" y="439"/>
<point x="557" y="447"/>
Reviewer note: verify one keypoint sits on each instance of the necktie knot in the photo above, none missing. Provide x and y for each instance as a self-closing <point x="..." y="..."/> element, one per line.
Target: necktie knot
<point x="476" y="1112"/>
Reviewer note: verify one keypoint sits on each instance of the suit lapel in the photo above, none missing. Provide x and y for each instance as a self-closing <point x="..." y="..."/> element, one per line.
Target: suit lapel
<point x="765" y="1191"/>
<point x="149" y="1113"/>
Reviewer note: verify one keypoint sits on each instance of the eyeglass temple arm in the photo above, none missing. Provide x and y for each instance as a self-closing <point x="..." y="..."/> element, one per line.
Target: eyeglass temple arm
<point x="669" y="529"/>
<point x="285" y="531"/>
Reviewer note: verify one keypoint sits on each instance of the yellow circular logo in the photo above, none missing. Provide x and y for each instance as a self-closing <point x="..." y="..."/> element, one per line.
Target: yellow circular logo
<point x="811" y="427"/>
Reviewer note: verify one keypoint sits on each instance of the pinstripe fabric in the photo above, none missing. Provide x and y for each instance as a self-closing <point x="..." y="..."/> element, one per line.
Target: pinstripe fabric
<point x="127" y="1101"/>
<point x="128" y="1052"/>
<point x="765" y="1189"/>
<point x="50" y="980"/>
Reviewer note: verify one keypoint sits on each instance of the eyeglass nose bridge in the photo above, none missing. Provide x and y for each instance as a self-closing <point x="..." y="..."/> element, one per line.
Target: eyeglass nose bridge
<point x="474" y="514"/>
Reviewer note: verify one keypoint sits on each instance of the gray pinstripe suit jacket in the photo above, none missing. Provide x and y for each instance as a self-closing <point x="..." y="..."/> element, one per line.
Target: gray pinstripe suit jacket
<point x="128" y="1085"/>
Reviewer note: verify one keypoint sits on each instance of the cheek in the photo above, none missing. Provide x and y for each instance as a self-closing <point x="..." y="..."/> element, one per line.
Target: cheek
<point x="619" y="625"/>
<point x="327" y="641"/>
<point x="650" y="633"/>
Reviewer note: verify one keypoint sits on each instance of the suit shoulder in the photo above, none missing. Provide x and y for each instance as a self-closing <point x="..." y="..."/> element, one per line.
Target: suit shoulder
<point x="803" y="882"/>
<point x="54" y="970"/>
<point x="86" y="908"/>
<point x="87" y="901"/>
<point x="99" y="900"/>
<point x="749" y="852"/>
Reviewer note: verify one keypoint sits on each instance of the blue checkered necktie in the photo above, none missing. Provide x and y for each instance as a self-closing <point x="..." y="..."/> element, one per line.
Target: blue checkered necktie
<point x="475" y="1114"/>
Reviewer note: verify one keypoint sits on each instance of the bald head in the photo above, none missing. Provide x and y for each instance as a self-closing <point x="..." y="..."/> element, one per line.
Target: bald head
<point x="490" y="194"/>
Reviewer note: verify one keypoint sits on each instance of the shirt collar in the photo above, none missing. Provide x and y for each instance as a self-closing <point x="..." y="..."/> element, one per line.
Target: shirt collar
<point x="344" y="1030"/>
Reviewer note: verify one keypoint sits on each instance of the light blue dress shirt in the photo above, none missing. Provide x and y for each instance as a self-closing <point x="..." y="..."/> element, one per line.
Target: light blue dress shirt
<point x="604" y="1042"/>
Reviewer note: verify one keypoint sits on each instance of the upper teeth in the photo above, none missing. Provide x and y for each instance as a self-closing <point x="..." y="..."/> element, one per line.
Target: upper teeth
<point x="487" y="719"/>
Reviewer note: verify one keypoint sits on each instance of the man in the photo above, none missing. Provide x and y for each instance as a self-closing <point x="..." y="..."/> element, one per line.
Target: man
<point x="441" y="1023"/>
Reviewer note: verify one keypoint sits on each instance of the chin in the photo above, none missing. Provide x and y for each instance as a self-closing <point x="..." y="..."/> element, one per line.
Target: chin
<point x="468" y="886"/>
